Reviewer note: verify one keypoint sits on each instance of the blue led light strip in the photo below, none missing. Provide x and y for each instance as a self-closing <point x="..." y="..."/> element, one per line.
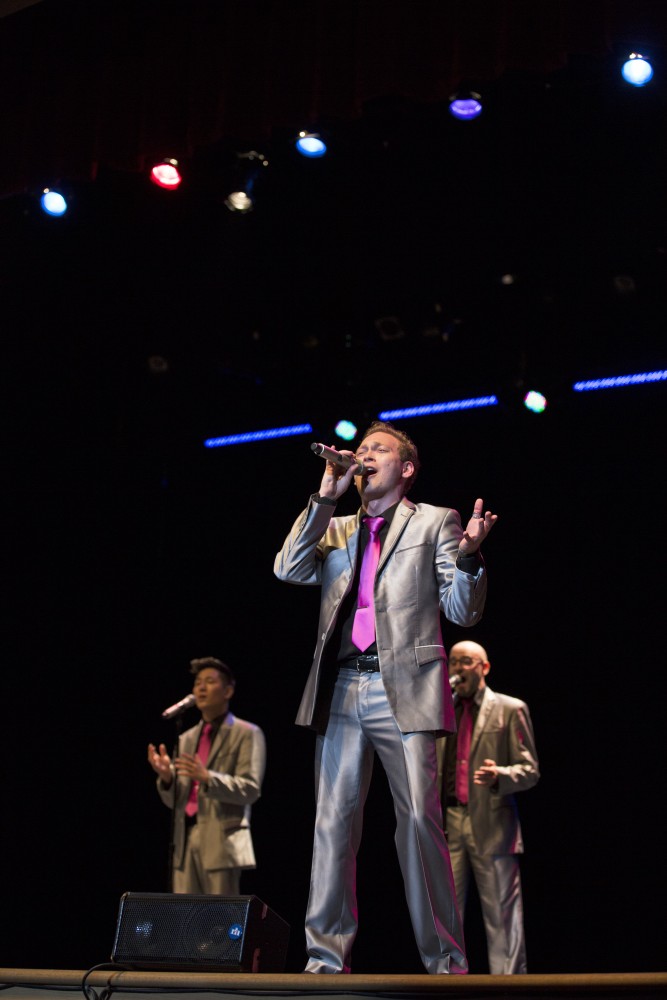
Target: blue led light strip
<point x="424" y="411"/>
<point x="619" y="380"/>
<point x="277" y="432"/>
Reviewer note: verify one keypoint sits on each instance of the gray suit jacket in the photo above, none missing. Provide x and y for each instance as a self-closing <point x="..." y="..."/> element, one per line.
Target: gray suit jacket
<point x="503" y="732"/>
<point x="237" y="761"/>
<point x="416" y="578"/>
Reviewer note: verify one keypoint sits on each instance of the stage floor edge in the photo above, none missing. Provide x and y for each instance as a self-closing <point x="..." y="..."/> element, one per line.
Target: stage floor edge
<point x="34" y="984"/>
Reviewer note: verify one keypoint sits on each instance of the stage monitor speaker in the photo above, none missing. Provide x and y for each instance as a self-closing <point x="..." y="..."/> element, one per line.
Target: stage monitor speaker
<point x="173" y="931"/>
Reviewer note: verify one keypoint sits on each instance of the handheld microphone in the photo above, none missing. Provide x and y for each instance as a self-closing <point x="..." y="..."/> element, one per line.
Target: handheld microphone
<point x="331" y="455"/>
<point x="175" y="710"/>
<point x="454" y="680"/>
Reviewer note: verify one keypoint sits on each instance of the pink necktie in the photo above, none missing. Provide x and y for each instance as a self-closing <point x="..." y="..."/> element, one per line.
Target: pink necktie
<point x="463" y="750"/>
<point x="192" y="805"/>
<point x="363" y="628"/>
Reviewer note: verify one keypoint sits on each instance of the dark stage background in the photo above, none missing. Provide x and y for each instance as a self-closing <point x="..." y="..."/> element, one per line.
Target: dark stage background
<point x="131" y="548"/>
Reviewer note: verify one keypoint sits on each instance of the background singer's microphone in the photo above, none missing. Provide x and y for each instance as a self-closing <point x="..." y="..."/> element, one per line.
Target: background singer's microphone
<point x="331" y="455"/>
<point x="179" y="707"/>
<point x="454" y="680"/>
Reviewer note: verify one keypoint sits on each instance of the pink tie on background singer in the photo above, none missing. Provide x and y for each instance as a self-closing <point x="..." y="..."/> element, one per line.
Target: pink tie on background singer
<point x="463" y="741"/>
<point x="363" y="628"/>
<point x="192" y="805"/>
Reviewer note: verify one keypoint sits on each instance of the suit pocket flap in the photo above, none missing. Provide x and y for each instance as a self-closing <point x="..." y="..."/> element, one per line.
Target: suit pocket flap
<point x="232" y="823"/>
<point x="426" y="654"/>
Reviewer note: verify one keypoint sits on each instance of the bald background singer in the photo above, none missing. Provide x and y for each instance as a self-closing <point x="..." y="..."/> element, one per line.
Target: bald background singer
<point x="481" y="816"/>
<point x="389" y="696"/>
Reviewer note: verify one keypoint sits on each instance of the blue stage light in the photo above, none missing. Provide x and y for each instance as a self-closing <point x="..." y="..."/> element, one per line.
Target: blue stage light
<point x="311" y="144"/>
<point x="276" y="432"/>
<point x="431" y="408"/>
<point x="53" y="202"/>
<point x="465" y="107"/>
<point x="616" y="381"/>
<point x="636" y="70"/>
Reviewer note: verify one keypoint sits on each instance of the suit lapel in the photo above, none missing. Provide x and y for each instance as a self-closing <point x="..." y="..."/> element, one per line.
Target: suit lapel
<point x="404" y="512"/>
<point x="188" y="744"/>
<point x="485" y="711"/>
<point x="188" y="741"/>
<point x="352" y="541"/>
<point x="221" y="736"/>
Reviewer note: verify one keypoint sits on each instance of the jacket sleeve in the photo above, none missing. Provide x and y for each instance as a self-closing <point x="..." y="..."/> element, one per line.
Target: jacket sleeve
<point x="462" y="594"/>
<point x="300" y="558"/>
<point x="167" y="794"/>
<point x="522" y="771"/>
<point x="243" y="786"/>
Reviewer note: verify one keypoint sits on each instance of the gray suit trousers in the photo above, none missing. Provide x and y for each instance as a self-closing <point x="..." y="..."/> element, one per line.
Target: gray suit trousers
<point x="498" y="880"/>
<point x="194" y="877"/>
<point x="360" y="725"/>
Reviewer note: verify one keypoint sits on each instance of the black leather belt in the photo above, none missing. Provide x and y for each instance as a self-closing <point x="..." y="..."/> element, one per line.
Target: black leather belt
<point x="453" y="801"/>
<point x="364" y="664"/>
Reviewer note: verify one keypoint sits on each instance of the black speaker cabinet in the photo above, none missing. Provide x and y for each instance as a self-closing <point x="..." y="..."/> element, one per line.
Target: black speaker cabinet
<point x="172" y="931"/>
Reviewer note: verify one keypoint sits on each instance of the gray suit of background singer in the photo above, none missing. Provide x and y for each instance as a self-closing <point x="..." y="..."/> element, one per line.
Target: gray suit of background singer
<point x="236" y="761"/>
<point x="485" y="837"/>
<point x="504" y="733"/>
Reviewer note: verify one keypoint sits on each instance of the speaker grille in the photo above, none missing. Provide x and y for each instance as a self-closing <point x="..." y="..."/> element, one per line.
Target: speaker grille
<point x="176" y="931"/>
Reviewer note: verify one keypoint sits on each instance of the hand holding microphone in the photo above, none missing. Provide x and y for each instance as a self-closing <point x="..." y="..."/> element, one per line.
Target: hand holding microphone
<point x="339" y="472"/>
<point x="337" y="457"/>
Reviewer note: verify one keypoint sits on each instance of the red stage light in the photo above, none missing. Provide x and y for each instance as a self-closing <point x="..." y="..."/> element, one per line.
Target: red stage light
<point x="166" y="175"/>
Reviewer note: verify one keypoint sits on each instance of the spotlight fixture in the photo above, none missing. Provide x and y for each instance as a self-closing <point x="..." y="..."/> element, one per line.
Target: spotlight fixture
<point x="636" y="70"/>
<point x="389" y="328"/>
<point x="248" y="168"/>
<point x="157" y="364"/>
<point x="53" y="202"/>
<point x="624" y="284"/>
<point x="239" y="201"/>
<point x="465" y="105"/>
<point x="166" y="174"/>
<point x="311" y="144"/>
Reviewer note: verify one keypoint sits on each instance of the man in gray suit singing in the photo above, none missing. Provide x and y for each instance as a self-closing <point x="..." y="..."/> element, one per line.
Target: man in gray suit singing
<point x="211" y="784"/>
<point x="492" y="757"/>
<point x="378" y="684"/>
